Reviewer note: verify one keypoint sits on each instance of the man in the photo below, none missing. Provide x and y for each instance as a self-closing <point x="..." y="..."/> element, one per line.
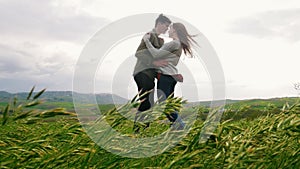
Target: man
<point x="144" y="71"/>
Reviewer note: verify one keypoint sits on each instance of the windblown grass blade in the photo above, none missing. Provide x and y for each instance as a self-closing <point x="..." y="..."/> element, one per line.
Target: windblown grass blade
<point x="5" y="115"/>
<point x="33" y="103"/>
<point x="30" y="93"/>
<point x="15" y="102"/>
<point x="39" y="94"/>
<point x="55" y="112"/>
<point x="23" y="115"/>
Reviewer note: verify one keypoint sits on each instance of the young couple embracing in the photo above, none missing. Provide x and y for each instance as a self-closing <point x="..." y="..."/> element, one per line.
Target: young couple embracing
<point x="156" y="59"/>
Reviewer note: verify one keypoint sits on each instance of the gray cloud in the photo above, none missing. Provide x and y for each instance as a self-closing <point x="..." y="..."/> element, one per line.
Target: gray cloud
<point x="30" y="50"/>
<point x="20" y="70"/>
<point x="12" y="61"/>
<point x="271" y="24"/>
<point x="41" y="18"/>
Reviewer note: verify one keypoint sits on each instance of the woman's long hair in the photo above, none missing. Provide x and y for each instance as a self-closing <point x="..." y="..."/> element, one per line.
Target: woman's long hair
<point x="184" y="37"/>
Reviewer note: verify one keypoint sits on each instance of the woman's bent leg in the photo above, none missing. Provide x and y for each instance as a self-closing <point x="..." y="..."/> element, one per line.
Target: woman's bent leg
<point x="167" y="84"/>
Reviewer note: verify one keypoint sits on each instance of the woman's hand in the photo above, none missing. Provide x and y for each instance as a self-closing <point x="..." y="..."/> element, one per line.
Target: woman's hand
<point x="160" y="63"/>
<point x="178" y="77"/>
<point x="146" y="37"/>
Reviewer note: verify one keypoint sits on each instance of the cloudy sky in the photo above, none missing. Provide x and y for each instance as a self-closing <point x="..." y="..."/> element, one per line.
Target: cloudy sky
<point x="257" y="42"/>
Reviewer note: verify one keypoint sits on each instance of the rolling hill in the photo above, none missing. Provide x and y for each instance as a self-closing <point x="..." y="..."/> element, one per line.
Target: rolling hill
<point x="63" y="96"/>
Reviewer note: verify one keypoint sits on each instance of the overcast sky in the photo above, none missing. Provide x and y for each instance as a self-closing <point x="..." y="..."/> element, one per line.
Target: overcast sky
<point x="257" y="42"/>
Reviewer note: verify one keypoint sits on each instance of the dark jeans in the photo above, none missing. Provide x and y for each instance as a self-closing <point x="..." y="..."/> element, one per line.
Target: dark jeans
<point x="166" y="84"/>
<point x="145" y="84"/>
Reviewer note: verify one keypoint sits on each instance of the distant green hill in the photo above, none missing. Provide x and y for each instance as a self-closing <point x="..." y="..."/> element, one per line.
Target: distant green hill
<point x="64" y="96"/>
<point x="216" y="103"/>
<point x="258" y="103"/>
<point x="4" y="96"/>
<point x="262" y="103"/>
<point x="106" y="98"/>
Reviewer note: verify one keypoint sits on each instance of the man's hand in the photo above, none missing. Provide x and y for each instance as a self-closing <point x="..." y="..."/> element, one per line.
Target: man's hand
<point x="160" y="63"/>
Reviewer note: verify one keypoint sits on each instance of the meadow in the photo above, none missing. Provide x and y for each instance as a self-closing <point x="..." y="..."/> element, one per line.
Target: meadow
<point x="252" y="134"/>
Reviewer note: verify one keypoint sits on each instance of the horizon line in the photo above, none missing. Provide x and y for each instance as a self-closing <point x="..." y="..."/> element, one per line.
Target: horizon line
<point x="205" y="100"/>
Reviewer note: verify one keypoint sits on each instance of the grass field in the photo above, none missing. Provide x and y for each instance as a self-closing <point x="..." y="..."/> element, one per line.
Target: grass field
<point x="50" y="137"/>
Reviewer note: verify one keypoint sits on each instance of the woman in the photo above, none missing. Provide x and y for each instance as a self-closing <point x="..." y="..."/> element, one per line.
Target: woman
<point x="171" y="51"/>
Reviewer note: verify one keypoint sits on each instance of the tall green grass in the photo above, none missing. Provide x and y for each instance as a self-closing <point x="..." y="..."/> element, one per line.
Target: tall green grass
<point x="32" y="139"/>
